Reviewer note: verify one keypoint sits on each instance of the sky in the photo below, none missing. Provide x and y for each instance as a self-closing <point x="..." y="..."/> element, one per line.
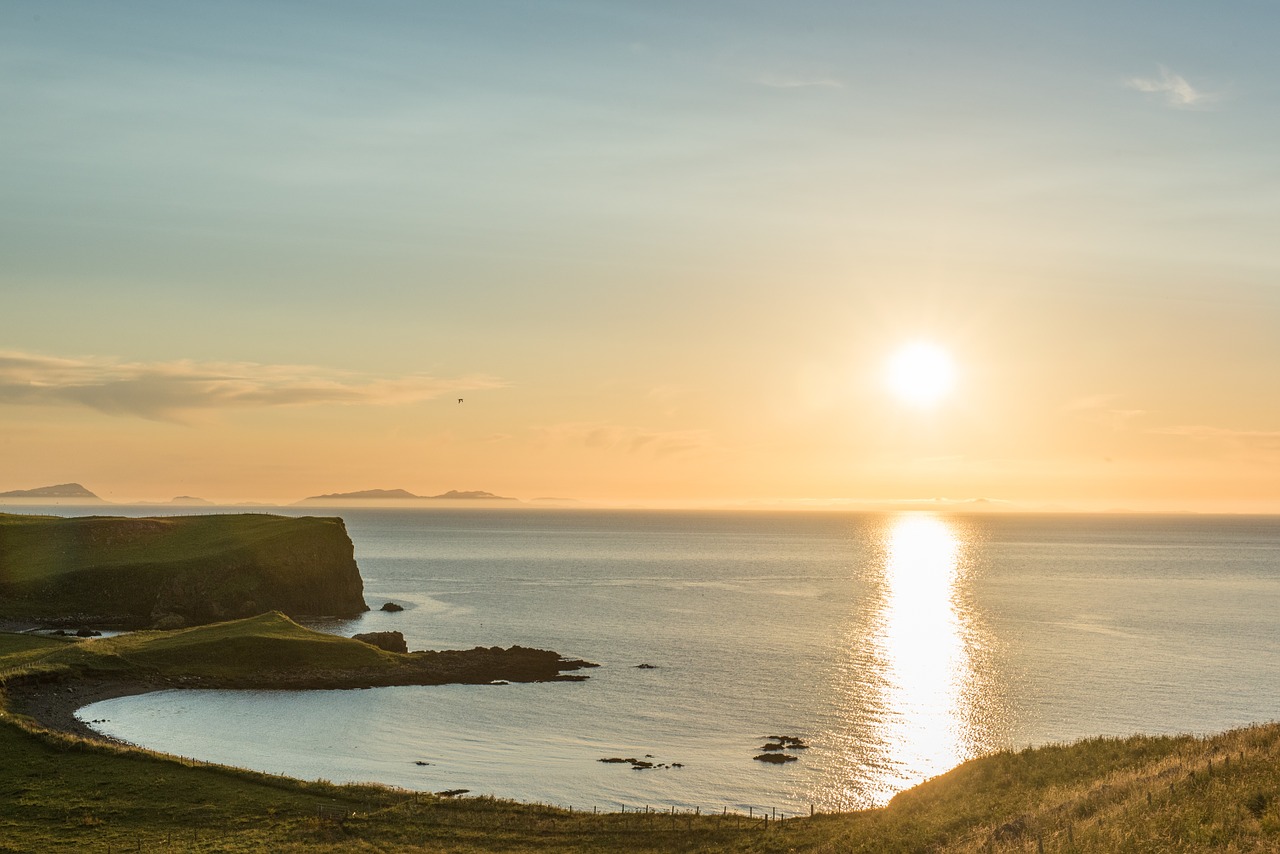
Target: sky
<point x="662" y="251"/>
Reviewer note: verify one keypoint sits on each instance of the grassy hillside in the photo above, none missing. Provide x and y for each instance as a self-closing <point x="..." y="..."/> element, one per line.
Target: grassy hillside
<point x="253" y="650"/>
<point x="267" y="651"/>
<point x="197" y="568"/>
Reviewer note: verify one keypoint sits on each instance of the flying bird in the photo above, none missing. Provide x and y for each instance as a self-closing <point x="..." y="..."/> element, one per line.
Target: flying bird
<point x="459" y="400"/>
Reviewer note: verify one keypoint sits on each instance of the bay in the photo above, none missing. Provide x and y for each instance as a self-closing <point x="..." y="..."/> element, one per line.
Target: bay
<point x="896" y="645"/>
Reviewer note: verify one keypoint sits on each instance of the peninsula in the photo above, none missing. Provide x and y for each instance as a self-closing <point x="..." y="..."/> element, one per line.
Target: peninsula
<point x="49" y="678"/>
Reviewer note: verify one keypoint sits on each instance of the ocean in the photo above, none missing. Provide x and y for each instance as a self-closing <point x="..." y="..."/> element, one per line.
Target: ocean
<point x="896" y="646"/>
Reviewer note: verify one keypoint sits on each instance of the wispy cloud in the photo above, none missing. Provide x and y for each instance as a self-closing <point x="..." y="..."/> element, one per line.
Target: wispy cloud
<point x="794" y="81"/>
<point x="1100" y="409"/>
<point x="632" y="440"/>
<point x="1264" y="440"/>
<point x="1173" y="87"/>
<point x="166" y="391"/>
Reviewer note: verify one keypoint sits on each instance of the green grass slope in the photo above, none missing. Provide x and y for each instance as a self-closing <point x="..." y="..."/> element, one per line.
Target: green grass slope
<point x="199" y="568"/>
<point x="267" y="651"/>
<point x="260" y="650"/>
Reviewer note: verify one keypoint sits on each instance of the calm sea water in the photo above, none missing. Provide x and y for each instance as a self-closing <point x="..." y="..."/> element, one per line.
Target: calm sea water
<point x="897" y="646"/>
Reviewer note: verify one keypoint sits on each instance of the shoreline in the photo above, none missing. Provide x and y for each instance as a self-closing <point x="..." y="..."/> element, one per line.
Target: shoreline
<point x="53" y="705"/>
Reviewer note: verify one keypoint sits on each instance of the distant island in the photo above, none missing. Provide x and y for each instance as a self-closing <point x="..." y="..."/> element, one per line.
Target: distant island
<point x="396" y="495"/>
<point x="74" y="493"/>
<point x="53" y="494"/>
<point x="181" y="501"/>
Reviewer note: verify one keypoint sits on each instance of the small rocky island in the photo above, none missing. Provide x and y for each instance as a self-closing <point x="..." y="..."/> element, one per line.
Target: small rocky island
<point x="775" y="747"/>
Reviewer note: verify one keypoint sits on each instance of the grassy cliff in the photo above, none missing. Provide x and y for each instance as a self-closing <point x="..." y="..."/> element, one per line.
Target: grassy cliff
<point x="183" y="569"/>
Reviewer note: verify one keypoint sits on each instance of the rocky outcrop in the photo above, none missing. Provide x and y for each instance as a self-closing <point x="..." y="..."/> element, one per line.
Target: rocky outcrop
<point x="390" y="641"/>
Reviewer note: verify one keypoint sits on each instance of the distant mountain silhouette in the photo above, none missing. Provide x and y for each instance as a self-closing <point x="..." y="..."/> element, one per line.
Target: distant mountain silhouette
<point x="182" y="500"/>
<point x="365" y="494"/>
<point x="475" y="493"/>
<point x="62" y="490"/>
<point x="405" y="495"/>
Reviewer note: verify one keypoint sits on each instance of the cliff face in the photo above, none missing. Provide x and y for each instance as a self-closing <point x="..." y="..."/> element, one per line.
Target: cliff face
<point x="176" y="570"/>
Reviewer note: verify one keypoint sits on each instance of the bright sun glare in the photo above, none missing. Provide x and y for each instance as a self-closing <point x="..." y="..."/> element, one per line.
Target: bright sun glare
<point x="921" y="374"/>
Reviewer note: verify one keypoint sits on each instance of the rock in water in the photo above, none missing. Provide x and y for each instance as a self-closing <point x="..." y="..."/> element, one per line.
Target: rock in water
<point x="392" y="607"/>
<point x="776" y="758"/>
<point x="390" y="641"/>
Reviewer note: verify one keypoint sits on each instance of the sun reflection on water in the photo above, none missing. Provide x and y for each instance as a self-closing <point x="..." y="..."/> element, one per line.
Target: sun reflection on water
<point x="919" y="697"/>
<point x="921" y="646"/>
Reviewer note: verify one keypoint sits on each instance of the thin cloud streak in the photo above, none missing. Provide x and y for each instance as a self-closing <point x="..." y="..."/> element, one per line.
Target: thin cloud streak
<point x="1266" y="440"/>
<point x="1174" y="87"/>
<point x="631" y="440"/>
<point x="787" y="81"/>
<point x="164" y="391"/>
<point x="1097" y="409"/>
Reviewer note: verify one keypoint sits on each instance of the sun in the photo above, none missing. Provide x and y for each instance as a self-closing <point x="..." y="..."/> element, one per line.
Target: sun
<point x="920" y="374"/>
